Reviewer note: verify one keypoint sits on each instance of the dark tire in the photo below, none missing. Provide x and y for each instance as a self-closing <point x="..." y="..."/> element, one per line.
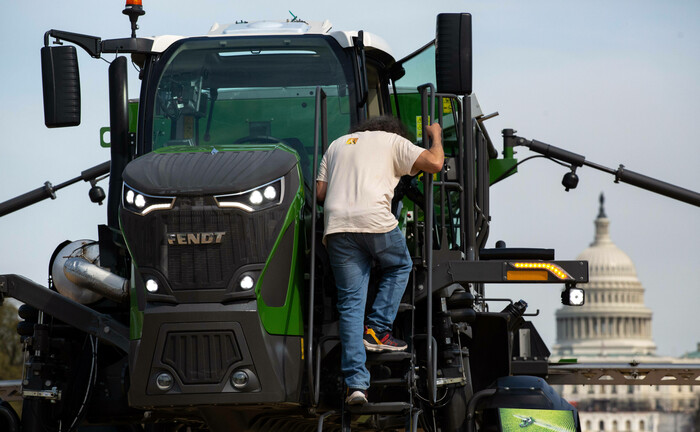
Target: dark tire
<point x="453" y="416"/>
<point x="9" y="420"/>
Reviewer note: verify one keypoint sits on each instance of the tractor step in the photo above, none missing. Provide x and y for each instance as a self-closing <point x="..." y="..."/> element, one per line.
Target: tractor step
<point x="390" y="382"/>
<point x="378" y="358"/>
<point x="403" y="307"/>
<point x="381" y="408"/>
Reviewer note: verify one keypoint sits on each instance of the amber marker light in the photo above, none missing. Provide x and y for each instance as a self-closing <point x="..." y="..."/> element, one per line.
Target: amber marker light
<point x="536" y="268"/>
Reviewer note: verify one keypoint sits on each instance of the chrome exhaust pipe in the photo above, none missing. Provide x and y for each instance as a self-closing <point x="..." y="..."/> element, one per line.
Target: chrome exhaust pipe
<point x="95" y="278"/>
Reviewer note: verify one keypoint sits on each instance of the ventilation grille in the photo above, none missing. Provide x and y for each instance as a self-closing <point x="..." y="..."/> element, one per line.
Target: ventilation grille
<point x="201" y="358"/>
<point x="248" y="239"/>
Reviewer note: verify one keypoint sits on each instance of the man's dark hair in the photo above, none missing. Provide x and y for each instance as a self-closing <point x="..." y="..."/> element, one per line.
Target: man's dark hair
<point x="384" y="123"/>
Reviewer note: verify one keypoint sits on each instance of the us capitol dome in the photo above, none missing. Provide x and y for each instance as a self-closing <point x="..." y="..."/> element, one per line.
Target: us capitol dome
<point x="613" y="327"/>
<point x="613" y="320"/>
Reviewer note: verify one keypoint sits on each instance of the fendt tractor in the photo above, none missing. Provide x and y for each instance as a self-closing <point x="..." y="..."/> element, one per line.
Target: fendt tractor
<point x="207" y="302"/>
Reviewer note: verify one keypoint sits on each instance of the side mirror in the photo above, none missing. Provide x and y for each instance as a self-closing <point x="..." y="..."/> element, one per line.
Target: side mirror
<point x="453" y="53"/>
<point x="61" y="82"/>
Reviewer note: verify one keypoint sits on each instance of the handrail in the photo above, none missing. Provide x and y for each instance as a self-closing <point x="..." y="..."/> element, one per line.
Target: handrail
<point x="460" y="174"/>
<point x="443" y="183"/>
<point x="482" y="186"/>
<point x="320" y="117"/>
<point x="469" y="160"/>
<point x="443" y="227"/>
<point x="426" y="117"/>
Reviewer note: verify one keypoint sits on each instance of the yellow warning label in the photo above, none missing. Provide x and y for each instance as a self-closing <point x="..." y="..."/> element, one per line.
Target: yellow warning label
<point x="351" y="141"/>
<point x="446" y="106"/>
<point x="419" y="126"/>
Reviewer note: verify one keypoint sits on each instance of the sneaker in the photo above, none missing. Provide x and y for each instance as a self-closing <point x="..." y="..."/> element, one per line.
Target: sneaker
<point x="384" y="341"/>
<point x="356" y="397"/>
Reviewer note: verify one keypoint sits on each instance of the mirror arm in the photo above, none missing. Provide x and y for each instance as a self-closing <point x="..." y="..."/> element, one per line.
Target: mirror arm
<point x="91" y="44"/>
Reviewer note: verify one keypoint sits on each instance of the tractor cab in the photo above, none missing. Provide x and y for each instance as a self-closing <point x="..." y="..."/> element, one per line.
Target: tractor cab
<point x="248" y="84"/>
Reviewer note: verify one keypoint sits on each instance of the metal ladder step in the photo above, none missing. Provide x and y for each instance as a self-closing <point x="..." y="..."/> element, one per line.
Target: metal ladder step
<point x="403" y="307"/>
<point x="390" y="382"/>
<point x="381" y="408"/>
<point x="377" y="358"/>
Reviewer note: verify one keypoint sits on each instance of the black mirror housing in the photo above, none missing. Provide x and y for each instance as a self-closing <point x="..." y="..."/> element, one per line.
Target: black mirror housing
<point x="61" y="83"/>
<point x="453" y="53"/>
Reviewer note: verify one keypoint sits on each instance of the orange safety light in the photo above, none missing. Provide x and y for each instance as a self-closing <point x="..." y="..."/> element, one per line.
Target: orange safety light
<point x="538" y="269"/>
<point x="134" y="9"/>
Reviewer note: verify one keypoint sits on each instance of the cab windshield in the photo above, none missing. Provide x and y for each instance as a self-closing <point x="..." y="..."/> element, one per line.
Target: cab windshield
<point x="250" y="90"/>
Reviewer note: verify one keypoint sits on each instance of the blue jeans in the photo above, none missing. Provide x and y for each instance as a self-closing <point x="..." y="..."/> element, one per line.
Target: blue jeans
<point x="351" y="256"/>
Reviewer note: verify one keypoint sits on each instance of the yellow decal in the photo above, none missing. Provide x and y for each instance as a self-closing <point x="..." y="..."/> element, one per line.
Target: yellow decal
<point x="351" y="141"/>
<point x="446" y="105"/>
<point x="419" y="126"/>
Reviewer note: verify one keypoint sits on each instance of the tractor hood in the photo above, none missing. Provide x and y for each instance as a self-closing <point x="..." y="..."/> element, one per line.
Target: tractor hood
<point x="208" y="170"/>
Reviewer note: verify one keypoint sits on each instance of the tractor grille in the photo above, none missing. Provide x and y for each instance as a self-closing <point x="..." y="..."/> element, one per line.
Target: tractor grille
<point x="248" y="239"/>
<point x="201" y="358"/>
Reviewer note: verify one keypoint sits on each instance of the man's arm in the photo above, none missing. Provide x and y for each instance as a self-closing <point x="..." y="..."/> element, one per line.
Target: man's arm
<point x="321" y="187"/>
<point x="432" y="160"/>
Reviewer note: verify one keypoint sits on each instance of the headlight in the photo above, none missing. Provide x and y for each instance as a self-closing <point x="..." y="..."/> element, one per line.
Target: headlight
<point x="259" y="198"/>
<point x="142" y="203"/>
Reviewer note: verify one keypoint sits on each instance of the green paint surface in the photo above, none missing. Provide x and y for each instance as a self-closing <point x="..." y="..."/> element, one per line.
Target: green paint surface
<point x="288" y="318"/>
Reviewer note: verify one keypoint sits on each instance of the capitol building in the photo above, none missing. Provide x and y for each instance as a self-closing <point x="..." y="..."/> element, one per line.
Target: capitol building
<point x="615" y="327"/>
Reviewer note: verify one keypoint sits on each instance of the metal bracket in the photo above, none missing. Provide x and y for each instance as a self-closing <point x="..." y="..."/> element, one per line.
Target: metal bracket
<point x="52" y="394"/>
<point x="446" y="381"/>
<point x="73" y="313"/>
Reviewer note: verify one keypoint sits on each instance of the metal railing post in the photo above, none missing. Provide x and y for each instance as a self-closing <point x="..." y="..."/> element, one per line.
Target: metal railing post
<point x="426" y="117"/>
<point x="320" y="120"/>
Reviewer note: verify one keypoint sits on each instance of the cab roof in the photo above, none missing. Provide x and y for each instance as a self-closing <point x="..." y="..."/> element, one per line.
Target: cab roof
<point x="371" y="41"/>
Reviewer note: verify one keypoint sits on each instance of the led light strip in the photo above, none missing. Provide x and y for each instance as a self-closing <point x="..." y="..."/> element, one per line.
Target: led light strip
<point x="150" y="208"/>
<point x="146" y="209"/>
<point x="552" y="268"/>
<point x="220" y="203"/>
<point x="235" y="205"/>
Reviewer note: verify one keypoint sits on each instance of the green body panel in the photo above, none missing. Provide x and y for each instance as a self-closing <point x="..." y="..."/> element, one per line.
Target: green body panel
<point x="133" y="115"/>
<point x="411" y="116"/>
<point x="287" y="319"/>
<point x="502" y="168"/>
<point x="133" y="119"/>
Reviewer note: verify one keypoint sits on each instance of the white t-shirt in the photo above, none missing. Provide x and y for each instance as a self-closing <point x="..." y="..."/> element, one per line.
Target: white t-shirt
<point x="362" y="169"/>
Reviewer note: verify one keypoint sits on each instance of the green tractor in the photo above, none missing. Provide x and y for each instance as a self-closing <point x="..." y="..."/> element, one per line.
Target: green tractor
<point x="208" y="304"/>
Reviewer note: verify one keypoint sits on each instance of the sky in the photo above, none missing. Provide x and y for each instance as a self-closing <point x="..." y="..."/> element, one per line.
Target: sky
<point x="614" y="81"/>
